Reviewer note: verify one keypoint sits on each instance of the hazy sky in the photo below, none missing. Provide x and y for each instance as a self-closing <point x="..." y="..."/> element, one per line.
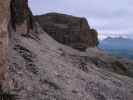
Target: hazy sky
<point x="109" y="17"/>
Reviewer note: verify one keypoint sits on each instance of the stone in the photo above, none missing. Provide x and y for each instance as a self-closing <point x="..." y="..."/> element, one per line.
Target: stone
<point x="69" y="30"/>
<point x="21" y="15"/>
<point x="4" y="20"/>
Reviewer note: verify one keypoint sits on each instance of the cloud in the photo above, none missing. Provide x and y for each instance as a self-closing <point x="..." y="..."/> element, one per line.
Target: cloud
<point x="107" y="16"/>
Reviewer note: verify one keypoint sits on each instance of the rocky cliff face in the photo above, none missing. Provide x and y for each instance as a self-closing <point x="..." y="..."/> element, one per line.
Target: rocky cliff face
<point x="40" y="68"/>
<point x="21" y="16"/>
<point x="69" y="30"/>
<point x="4" y="19"/>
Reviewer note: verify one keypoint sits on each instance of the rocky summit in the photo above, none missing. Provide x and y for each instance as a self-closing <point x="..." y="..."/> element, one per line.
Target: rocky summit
<point x="41" y="68"/>
<point x="69" y="30"/>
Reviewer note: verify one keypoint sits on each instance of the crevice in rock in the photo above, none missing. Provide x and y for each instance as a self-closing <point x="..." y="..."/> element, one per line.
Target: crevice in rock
<point x="50" y="83"/>
<point x="28" y="57"/>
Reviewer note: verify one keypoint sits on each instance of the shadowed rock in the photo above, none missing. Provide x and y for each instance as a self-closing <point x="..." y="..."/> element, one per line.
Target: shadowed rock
<point x="20" y="14"/>
<point x="69" y="30"/>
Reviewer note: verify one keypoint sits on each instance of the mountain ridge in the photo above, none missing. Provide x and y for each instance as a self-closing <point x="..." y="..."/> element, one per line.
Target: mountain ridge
<point x="69" y="30"/>
<point x="120" y="47"/>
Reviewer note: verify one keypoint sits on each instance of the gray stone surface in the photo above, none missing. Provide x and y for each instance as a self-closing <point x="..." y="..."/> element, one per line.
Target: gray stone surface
<point x="46" y="70"/>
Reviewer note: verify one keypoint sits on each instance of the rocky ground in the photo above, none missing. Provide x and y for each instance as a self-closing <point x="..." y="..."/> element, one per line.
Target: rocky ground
<point x="43" y="69"/>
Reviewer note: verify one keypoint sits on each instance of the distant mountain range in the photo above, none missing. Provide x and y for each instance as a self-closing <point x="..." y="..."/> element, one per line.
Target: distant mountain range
<point x="121" y="47"/>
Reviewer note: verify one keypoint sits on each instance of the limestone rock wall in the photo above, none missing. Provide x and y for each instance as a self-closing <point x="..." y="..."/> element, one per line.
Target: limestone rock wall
<point x="4" y="19"/>
<point x="69" y="30"/>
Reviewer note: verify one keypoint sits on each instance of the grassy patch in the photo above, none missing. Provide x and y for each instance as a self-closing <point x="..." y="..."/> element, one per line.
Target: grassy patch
<point x="6" y="95"/>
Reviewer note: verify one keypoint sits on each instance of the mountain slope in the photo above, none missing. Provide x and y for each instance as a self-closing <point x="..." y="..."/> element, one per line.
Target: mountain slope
<point x="40" y="68"/>
<point x="44" y="69"/>
<point x="120" y="47"/>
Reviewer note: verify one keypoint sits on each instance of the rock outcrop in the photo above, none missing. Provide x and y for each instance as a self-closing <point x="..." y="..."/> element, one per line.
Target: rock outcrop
<point x="69" y="30"/>
<point x="4" y="20"/>
<point x="21" y="15"/>
<point x="43" y="69"/>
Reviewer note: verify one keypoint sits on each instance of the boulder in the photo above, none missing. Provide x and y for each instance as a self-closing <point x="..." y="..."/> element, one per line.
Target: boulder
<point x="69" y="30"/>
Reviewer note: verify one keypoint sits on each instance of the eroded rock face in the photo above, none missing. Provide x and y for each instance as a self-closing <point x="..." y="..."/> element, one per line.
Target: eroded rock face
<point x="4" y="19"/>
<point x="69" y="30"/>
<point x="47" y="70"/>
<point x="21" y="15"/>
